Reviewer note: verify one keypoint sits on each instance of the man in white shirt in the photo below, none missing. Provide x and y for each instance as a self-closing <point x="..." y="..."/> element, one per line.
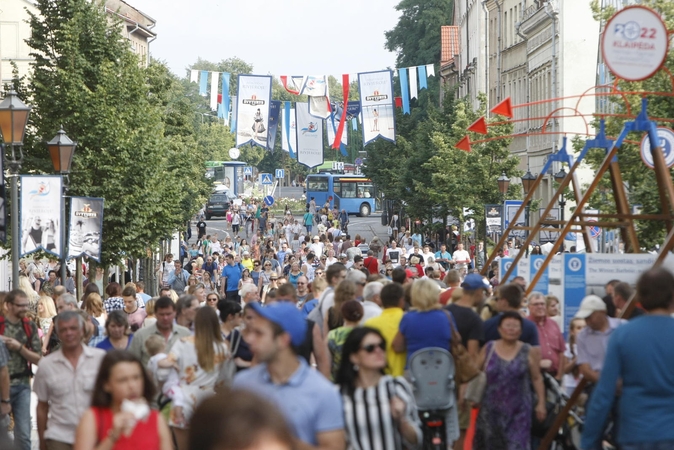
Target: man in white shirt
<point x="461" y="257"/>
<point x="427" y="254"/>
<point x="393" y="254"/>
<point x="330" y="259"/>
<point x="372" y="306"/>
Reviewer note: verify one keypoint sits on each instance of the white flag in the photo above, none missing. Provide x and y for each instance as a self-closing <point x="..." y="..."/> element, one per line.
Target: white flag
<point x="430" y="70"/>
<point x="194" y="76"/>
<point x="309" y="137"/>
<point x="293" y="131"/>
<point x="414" y="90"/>
<point x="215" y="77"/>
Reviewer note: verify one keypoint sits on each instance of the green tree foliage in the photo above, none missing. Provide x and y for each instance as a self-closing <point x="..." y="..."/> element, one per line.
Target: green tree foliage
<point x="639" y="179"/>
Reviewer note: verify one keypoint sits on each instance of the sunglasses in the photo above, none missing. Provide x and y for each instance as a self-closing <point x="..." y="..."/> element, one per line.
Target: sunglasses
<point x="256" y="264"/>
<point x="212" y="299"/>
<point x="372" y="347"/>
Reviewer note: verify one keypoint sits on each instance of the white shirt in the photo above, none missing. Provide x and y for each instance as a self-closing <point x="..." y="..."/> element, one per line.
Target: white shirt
<point x="330" y="261"/>
<point x="461" y="257"/>
<point x="370" y="310"/>
<point x="428" y="255"/>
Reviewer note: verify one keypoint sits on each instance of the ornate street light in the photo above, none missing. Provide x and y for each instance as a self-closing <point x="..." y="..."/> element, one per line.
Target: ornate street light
<point x="559" y="176"/>
<point x="503" y="184"/>
<point x="527" y="181"/>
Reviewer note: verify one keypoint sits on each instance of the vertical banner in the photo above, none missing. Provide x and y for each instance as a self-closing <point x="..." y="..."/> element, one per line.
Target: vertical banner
<point x="549" y="236"/>
<point x="203" y="82"/>
<point x="423" y="78"/>
<point x="289" y="141"/>
<point x="575" y="284"/>
<point x="336" y="142"/>
<point x="414" y="90"/>
<point x="405" y="90"/>
<point x="3" y="203"/>
<point x="309" y="137"/>
<point x="376" y="97"/>
<point x="316" y="87"/>
<point x="41" y="205"/>
<point x="510" y="209"/>
<point x="223" y="109"/>
<point x="536" y="262"/>
<point x="504" y="265"/>
<point x="252" y="122"/>
<point x="235" y="110"/>
<point x="215" y="77"/>
<point x="86" y="227"/>
<point x="274" y="115"/>
<point x="194" y="76"/>
<point x="493" y="216"/>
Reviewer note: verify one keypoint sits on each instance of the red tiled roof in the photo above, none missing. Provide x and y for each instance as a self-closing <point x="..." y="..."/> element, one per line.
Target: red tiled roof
<point x="449" y="35"/>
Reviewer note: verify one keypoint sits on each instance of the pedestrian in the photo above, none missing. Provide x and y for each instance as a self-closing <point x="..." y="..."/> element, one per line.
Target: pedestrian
<point x="352" y="312"/>
<point x="229" y="279"/>
<point x="388" y="324"/>
<point x="163" y="269"/>
<point x="64" y="383"/>
<point x="119" y="417"/>
<point x="177" y="279"/>
<point x="551" y="340"/>
<point x="308" y="401"/>
<point x="114" y="300"/>
<point x="134" y="313"/>
<point x="118" y="332"/>
<point x="5" y="400"/>
<point x="377" y="407"/>
<point x="21" y="338"/>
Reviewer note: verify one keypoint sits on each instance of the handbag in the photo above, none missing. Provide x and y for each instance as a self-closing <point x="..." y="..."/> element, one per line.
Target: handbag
<point x="465" y="366"/>
<point x="476" y="387"/>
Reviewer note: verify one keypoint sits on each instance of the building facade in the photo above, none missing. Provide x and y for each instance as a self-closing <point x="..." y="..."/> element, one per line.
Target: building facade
<point x="471" y="64"/>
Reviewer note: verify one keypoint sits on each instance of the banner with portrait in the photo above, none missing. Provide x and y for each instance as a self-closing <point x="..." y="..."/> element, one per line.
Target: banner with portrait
<point x="41" y="204"/>
<point x="377" y="105"/>
<point x="252" y="113"/>
<point x="309" y="137"/>
<point x="274" y="116"/>
<point x="86" y="227"/>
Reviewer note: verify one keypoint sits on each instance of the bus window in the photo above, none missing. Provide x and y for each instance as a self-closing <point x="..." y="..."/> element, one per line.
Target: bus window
<point x="349" y="190"/>
<point x="317" y="184"/>
<point x="364" y="190"/>
<point x="337" y="188"/>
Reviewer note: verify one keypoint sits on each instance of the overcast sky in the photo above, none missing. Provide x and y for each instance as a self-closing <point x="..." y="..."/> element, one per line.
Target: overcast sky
<point x="279" y="37"/>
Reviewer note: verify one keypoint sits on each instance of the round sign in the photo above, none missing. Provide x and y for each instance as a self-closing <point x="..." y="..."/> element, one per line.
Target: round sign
<point x="234" y="153"/>
<point x="359" y="161"/>
<point x="666" y="138"/>
<point x="635" y="43"/>
<point x="269" y="200"/>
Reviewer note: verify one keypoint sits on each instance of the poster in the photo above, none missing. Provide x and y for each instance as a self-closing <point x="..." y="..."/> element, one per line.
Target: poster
<point x="85" y="228"/>
<point x="511" y="207"/>
<point x="377" y="105"/>
<point x="41" y="204"/>
<point x="309" y="137"/>
<point x="493" y="216"/>
<point x="252" y="113"/>
<point x="289" y="141"/>
<point x="274" y="115"/>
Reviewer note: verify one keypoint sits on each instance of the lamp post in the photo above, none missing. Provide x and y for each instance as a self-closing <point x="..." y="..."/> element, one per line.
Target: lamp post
<point x="61" y="151"/>
<point x="527" y="181"/>
<point x="559" y="177"/>
<point x="13" y="121"/>
<point x="503" y="185"/>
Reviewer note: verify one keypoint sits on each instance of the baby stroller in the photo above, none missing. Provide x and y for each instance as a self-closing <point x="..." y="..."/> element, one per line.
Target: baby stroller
<point x="568" y="435"/>
<point x="431" y="372"/>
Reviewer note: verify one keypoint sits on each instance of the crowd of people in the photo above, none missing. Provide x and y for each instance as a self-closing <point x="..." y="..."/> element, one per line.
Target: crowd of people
<point x="299" y="340"/>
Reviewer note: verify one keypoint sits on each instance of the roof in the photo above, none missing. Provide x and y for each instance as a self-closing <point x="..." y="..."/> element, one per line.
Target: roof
<point x="449" y="35"/>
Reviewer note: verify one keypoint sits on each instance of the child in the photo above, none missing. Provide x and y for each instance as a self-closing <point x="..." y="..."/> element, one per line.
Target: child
<point x="161" y="368"/>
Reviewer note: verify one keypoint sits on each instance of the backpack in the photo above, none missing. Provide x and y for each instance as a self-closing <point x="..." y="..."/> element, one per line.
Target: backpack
<point x="29" y="334"/>
<point x="179" y="283"/>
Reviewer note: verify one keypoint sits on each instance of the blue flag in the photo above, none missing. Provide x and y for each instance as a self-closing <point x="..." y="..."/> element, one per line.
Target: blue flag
<point x="423" y="78"/>
<point x="405" y="89"/>
<point x="203" y="82"/>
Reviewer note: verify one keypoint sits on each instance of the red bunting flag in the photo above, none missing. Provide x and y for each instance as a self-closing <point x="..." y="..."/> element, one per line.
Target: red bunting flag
<point x="463" y="144"/>
<point x="505" y="108"/>
<point x="342" y="121"/>
<point x="479" y="126"/>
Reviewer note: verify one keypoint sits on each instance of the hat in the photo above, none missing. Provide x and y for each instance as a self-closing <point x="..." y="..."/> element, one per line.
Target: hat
<point x="316" y="238"/>
<point x="590" y="304"/>
<point x="287" y="316"/>
<point x="474" y="281"/>
<point x="246" y="252"/>
<point x="342" y="255"/>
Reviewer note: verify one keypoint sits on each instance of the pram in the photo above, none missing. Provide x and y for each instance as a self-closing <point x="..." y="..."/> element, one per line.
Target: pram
<point x="431" y="373"/>
<point x="568" y="435"/>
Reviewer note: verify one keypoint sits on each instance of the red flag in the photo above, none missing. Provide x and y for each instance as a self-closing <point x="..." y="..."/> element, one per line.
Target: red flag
<point x="463" y="144"/>
<point x="479" y="126"/>
<point x="399" y="102"/>
<point x="219" y="98"/>
<point x="290" y="85"/>
<point x="505" y="108"/>
<point x="340" y="129"/>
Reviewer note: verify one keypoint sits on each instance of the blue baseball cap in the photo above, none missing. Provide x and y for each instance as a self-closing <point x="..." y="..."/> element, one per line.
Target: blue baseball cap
<point x="287" y="316"/>
<point x="474" y="281"/>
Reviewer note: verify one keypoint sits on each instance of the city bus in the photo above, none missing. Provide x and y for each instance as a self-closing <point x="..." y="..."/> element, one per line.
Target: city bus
<point x="354" y="193"/>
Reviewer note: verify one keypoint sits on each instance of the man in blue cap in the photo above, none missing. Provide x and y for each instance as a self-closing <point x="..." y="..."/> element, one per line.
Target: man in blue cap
<point x="310" y="403"/>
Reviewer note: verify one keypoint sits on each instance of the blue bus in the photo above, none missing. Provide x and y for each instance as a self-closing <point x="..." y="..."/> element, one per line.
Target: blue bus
<point x="354" y="193"/>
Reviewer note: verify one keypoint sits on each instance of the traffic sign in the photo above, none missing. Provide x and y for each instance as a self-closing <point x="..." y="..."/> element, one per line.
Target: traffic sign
<point x="359" y="161"/>
<point x="280" y="173"/>
<point x="337" y="165"/>
<point x="269" y="200"/>
<point x="265" y="179"/>
<point x="666" y="138"/>
<point x="248" y="170"/>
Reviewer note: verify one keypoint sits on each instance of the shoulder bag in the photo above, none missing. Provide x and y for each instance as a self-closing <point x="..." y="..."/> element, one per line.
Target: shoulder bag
<point x="476" y="387"/>
<point x="465" y="366"/>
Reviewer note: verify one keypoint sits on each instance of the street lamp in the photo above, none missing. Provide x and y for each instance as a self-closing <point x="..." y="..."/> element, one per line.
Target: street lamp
<point x="61" y="150"/>
<point x="13" y="121"/>
<point x="503" y="184"/>
<point x="559" y="177"/>
<point x="527" y="183"/>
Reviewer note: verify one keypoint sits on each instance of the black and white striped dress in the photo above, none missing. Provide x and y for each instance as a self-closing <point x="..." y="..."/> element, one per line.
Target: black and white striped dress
<point x="367" y="415"/>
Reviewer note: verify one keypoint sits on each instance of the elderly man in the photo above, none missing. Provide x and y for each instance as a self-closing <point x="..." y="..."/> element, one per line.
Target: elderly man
<point x="371" y="301"/>
<point x="249" y="293"/>
<point x="64" y="383"/>
<point x="550" y="337"/>
<point x="358" y="278"/>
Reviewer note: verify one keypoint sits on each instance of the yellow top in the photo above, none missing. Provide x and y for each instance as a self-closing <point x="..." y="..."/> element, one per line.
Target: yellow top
<point x="388" y="324"/>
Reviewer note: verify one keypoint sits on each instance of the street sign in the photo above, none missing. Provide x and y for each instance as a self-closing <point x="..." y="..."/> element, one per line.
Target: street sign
<point x="337" y="165"/>
<point x="280" y="173"/>
<point x="666" y="138"/>
<point x="248" y="170"/>
<point x="269" y="200"/>
<point x="359" y="161"/>
<point x="266" y="179"/>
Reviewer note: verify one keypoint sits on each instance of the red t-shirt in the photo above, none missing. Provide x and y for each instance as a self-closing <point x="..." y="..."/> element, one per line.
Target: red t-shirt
<point x="145" y="435"/>
<point x="446" y="296"/>
<point x="371" y="264"/>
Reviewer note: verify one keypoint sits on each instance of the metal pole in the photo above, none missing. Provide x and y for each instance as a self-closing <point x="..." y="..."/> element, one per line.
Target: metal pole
<point x="14" y="174"/>
<point x="64" y="245"/>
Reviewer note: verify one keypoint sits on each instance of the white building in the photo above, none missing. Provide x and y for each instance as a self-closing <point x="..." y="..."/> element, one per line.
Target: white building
<point x="471" y="64"/>
<point x="14" y="30"/>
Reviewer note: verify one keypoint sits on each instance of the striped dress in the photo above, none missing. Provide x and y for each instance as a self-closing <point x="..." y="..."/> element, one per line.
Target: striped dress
<point x="367" y="415"/>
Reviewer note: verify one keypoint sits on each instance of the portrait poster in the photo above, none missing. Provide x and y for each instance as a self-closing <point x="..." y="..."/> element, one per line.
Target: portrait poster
<point x="252" y="113"/>
<point x="377" y="105"/>
<point x="85" y="228"/>
<point x="40" y="204"/>
<point x="309" y="137"/>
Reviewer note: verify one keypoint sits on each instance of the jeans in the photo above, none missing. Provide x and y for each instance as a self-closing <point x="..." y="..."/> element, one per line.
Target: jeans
<point x="20" y="399"/>
<point x="658" y="445"/>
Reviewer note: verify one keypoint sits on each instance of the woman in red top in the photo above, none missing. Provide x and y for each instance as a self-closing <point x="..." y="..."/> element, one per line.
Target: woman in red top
<point x="105" y="426"/>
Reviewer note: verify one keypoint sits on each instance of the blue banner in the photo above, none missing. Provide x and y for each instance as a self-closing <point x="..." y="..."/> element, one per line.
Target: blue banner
<point x="536" y="261"/>
<point x="354" y="124"/>
<point x="405" y="89"/>
<point x="289" y="131"/>
<point x="274" y="114"/>
<point x="223" y="110"/>
<point x="504" y="265"/>
<point x="574" y="278"/>
<point x="423" y="78"/>
<point x="203" y="82"/>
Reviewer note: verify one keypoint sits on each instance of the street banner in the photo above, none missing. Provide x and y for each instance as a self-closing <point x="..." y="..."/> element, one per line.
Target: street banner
<point x="85" y="228"/>
<point x="549" y="236"/>
<point x="41" y="205"/>
<point x="575" y="284"/>
<point x="316" y="88"/>
<point x="377" y="103"/>
<point x="235" y="110"/>
<point x="404" y="89"/>
<point x="309" y="137"/>
<point x="215" y="77"/>
<point x="504" y="265"/>
<point x="493" y="216"/>
<point x="336" y="142"/>
<point x="536" y="262"/>
<point x="289" y="141"/>
<point x="3" y="203"/>
<point x="223" y="107"/>
<point x="253" y="97"/>
<point x="510" y="209"/>
<point x="203" y="82"/>
<point x="293" y="84"/>
<point x="274" y="116"/>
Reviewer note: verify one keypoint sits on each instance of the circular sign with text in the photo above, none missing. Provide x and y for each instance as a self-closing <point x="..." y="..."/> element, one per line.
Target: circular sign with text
<point x="666" y="143"/>
<point x="635" y="43"/>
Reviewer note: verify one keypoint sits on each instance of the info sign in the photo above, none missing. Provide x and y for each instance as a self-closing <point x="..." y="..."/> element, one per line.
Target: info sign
<point x="635" y="43"/>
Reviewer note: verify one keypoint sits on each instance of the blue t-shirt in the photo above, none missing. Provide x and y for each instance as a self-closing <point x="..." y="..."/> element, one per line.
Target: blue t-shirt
<point x="106" y="345"/>
<point x="529" y="331"/>
<point x="641" y="354"/>
<point x="309" y="306"/>
<point x="233" y="274"/>
<point x="425" y="329"/>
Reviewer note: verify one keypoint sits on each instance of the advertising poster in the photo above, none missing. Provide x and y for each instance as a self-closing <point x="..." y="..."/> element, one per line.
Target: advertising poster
<point x="377" y="105"/>
<point x="511" y="207"/>
<point x="494" y="218"/>
<point x="252" y="113"/>
<point x="41" y="204"/>
<point x="309" y="137"/>
<point x="274" y="115"/>
<point x="86" y="227"/>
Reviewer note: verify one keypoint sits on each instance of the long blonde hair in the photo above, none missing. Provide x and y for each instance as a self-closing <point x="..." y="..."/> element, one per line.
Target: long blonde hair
<point x="207" y="333"/>
<point x="93" y="304"/>
<point x="49" y="307"/>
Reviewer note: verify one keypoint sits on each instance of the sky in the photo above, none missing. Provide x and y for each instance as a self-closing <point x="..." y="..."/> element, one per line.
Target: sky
<point x="278" y="37"/>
